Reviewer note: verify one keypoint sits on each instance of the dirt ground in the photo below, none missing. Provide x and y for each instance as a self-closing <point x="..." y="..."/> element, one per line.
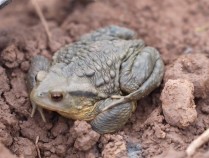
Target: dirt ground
<point x="178" y="29"/>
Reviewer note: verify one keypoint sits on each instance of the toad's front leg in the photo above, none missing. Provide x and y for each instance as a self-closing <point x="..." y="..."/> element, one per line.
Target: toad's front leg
<point x="37" y="71"/>
<point x="113" y="119"/>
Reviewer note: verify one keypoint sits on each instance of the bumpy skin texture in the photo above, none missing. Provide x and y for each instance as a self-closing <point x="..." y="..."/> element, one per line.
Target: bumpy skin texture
<point x="98" y="79"/>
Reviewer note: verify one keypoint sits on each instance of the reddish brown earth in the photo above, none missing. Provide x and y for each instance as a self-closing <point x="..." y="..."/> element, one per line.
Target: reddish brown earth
<point x="178" y="103"/>
<point x="170" y="26"/>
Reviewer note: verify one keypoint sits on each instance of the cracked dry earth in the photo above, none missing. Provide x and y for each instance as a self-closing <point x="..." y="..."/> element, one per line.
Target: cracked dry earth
<point x="178" y="29"/>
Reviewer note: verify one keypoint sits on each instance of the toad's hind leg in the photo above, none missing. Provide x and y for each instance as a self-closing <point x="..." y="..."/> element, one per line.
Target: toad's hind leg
<point x="109" y="33"/>
<point x="112" y="119"/>
<point x="141" y="73"/>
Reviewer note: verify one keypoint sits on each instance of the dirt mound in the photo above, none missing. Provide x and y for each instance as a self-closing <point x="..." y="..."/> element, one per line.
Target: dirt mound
<point x="178" y="29"/>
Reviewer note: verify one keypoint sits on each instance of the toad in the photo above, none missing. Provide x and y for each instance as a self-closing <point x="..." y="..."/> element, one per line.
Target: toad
<point x="99" y="79"/>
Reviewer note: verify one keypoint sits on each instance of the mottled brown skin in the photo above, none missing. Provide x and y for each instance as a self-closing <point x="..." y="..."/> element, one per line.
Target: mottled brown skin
<point x="98" y="79"/>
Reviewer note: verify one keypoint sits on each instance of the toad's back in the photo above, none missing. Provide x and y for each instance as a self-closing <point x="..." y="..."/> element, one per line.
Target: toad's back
<point x="99" y="61"/>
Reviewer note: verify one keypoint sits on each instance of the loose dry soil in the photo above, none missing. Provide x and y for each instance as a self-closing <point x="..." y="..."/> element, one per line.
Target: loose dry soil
<point x="178" y="29"/>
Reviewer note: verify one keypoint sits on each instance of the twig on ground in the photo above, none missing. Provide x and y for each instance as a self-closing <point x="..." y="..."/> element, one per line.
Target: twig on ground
<point x="202" y="28"/>
<point x="42" y="18"/>
<point x="37" y="148"/>
<point x="195" y="144"/>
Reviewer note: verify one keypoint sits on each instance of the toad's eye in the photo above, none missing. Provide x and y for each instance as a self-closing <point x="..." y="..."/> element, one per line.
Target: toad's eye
<point x="56" y="96"/>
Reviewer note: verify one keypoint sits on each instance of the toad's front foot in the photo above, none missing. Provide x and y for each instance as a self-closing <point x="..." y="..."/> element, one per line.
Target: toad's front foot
<point x="34" y="108"/>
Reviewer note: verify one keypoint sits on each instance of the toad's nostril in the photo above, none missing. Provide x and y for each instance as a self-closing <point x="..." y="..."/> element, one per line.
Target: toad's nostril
<point x="40" y="94"/>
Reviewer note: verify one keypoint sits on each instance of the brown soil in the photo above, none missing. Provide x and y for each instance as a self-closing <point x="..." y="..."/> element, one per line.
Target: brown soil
<point x="178" y="103"/>
<point x="170" y="26"/>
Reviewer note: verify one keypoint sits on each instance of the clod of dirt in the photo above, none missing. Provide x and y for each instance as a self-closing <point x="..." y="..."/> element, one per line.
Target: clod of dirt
<point x="17" y="96"/>
<point x="24" y="147"/>
<point x="85" y="137"/>
<point x="25" y="66"/>
<point x="178" y="103"/>
<point x="204" y="106"/>
<point x="55" y="147"/>
<point x="5" y="153"/>
<point x="4" y="82"/>
<point x="8" y="120"/>
<point x="5" y="136"/>
<point x="193" y="67"/>
<point x="114" y="146"/>
<point x="12" y="57"/>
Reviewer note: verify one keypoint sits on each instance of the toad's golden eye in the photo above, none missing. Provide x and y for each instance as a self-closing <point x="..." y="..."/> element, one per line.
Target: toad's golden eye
<point x="56" y="96"/>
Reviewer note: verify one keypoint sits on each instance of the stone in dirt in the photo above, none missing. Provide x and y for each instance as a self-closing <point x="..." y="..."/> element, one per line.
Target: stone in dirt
<point x="178" y="103"/>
